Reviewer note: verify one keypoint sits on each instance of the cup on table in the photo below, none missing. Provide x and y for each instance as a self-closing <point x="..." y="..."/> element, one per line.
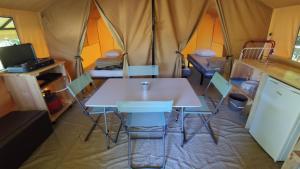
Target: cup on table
<point x="145" y="85"/>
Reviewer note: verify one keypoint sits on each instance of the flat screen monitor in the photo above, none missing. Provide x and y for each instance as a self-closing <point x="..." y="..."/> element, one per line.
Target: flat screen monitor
<point x="16" y="55"/>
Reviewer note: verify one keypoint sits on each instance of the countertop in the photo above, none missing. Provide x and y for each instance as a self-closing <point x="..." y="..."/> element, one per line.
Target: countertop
<point x="283" y="72"/>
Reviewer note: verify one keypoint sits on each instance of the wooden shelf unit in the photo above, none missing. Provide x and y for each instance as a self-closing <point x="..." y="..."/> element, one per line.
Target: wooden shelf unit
<point x="27" y="93"/>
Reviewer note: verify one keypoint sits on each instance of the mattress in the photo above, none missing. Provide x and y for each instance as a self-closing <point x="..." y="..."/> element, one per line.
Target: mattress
<point x="201" y="63"/>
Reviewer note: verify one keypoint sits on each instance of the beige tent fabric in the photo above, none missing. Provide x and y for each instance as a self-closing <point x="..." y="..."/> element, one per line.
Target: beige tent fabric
<point x="284" y="28"/>
<point x="243" y="20"/>
<point x="176" y="22"/>
<point x="227" y="43"/>
<point x="64" y="23"/>
<point x="130" y="23"/>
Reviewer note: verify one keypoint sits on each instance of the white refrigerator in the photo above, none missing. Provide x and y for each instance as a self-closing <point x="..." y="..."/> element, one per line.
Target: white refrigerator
<point x="276" y="123"/>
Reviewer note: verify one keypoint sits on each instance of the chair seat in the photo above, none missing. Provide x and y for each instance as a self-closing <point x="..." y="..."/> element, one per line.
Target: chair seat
<point x="203" y="109"/>
<point x="145" y="119"/>
<point x="100" y="110"/>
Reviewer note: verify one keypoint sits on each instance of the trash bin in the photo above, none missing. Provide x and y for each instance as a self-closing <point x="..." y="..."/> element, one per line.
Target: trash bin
<point x="237" y="101"/>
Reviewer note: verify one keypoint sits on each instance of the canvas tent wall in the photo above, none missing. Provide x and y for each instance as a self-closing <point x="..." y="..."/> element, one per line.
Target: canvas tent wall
<point x="208" y="34"/>
<point x="99" y="39"/>
<point x="284" y="27"/>
<point x="62" y="24"/>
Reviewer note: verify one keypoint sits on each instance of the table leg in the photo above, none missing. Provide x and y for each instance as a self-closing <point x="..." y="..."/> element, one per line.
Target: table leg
<point x="182" y="127"/>
<point x="106" y="130"/>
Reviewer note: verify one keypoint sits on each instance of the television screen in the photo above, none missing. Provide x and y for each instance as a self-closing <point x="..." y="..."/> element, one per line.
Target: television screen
<point x="16" y="55"/>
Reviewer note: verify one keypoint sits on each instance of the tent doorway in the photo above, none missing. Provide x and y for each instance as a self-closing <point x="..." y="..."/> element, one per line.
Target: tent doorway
<point x="98" y="39"/>
<point x="208" y="34"/>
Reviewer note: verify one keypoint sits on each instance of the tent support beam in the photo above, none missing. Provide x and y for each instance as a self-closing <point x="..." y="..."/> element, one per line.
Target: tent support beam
<point x="153" y="32"/>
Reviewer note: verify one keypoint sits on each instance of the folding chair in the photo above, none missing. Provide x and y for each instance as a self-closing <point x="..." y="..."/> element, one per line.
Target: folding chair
<point x="76" y="88"/>
<point x="141" y="116"/>
<point x="147" y="70"/>
<point x="223" y="87"/>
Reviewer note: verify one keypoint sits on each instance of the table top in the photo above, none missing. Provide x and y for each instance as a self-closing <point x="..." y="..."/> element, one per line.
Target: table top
<point x="114" y="90"/>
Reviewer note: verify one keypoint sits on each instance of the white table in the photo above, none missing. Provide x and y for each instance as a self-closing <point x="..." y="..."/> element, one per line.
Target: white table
<point x="114" y="90"/>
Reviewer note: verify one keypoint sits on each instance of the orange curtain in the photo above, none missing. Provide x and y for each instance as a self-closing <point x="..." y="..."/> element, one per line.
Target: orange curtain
<point x="98" y="39"/>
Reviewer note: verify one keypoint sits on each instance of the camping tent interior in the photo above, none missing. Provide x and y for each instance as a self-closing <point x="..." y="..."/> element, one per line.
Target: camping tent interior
<point x="148" y="32"/>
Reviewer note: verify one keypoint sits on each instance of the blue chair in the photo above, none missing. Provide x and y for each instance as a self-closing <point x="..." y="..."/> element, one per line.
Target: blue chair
<point x="148" y="70"/>
<point x="77" y="90"/>
<point x="223" y="87"/>
<point x="142" y="115"/>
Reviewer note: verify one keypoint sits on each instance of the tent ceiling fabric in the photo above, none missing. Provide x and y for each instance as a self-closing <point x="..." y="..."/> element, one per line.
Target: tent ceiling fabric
<point x="280" y="3"/>
<point x="39" y="5"/>
<point x="30" y="5"/>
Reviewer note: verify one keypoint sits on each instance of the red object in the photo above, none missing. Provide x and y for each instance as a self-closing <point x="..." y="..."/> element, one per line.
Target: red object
<point x="54" y="105"/>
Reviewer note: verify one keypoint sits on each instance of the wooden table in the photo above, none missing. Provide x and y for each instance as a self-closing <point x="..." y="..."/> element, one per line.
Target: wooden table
<point x="114" y="90"/>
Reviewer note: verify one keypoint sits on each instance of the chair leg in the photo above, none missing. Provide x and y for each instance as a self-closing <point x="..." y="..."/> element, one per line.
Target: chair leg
<point x="177" y="115"/>
<point x="201" y="78"/>
<point x="92" y="128"/>
<point x="117" y="136"/>
<point x="129" y="150"/>
<point x="211" y="132"/>
<point x="207" y="125"/>
<point x="164" y="148"/>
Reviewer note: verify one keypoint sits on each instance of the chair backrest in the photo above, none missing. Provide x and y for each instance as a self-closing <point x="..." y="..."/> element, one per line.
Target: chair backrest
<point x="147" y="70"/>
<point x="221" y="84"/>
<point x="145" y="106"/>
<point x="77" y="85"/>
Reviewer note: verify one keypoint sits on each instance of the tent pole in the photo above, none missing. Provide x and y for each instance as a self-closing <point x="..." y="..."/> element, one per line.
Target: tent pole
<point x="153" y="32"/>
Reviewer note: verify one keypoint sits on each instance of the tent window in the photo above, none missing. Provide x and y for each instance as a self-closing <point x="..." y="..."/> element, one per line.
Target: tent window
<point x="8" y="32"/>
<point x="296" y="53"/>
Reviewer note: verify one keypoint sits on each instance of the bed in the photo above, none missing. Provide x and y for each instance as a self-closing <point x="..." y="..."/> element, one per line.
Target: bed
<point x="203" y="66"/>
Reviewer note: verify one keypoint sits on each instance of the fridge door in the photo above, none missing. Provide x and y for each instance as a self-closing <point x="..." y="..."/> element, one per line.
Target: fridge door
<point x="276" y="118"/>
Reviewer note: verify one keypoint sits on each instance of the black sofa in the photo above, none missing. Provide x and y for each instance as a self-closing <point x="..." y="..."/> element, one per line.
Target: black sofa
<point x="21" y="132"/>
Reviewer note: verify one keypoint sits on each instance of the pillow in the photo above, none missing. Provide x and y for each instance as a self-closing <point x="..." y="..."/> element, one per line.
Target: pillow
<point x="205" y="52"/>
<point x="113" y="53"/>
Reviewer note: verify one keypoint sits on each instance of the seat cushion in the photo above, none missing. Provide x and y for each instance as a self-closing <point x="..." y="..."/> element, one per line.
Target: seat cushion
<point x="145" y="119"/>
<point x="21" y="133"/>
<point x="203" y="109"/>
<point x="14" y="122"/>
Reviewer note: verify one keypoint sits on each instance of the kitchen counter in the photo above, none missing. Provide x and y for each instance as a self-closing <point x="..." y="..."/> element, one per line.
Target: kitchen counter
<point x="283" y="72"/>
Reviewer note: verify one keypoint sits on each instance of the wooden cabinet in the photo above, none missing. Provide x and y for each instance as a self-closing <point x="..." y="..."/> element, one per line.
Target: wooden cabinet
<point x="27" y="90"/>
